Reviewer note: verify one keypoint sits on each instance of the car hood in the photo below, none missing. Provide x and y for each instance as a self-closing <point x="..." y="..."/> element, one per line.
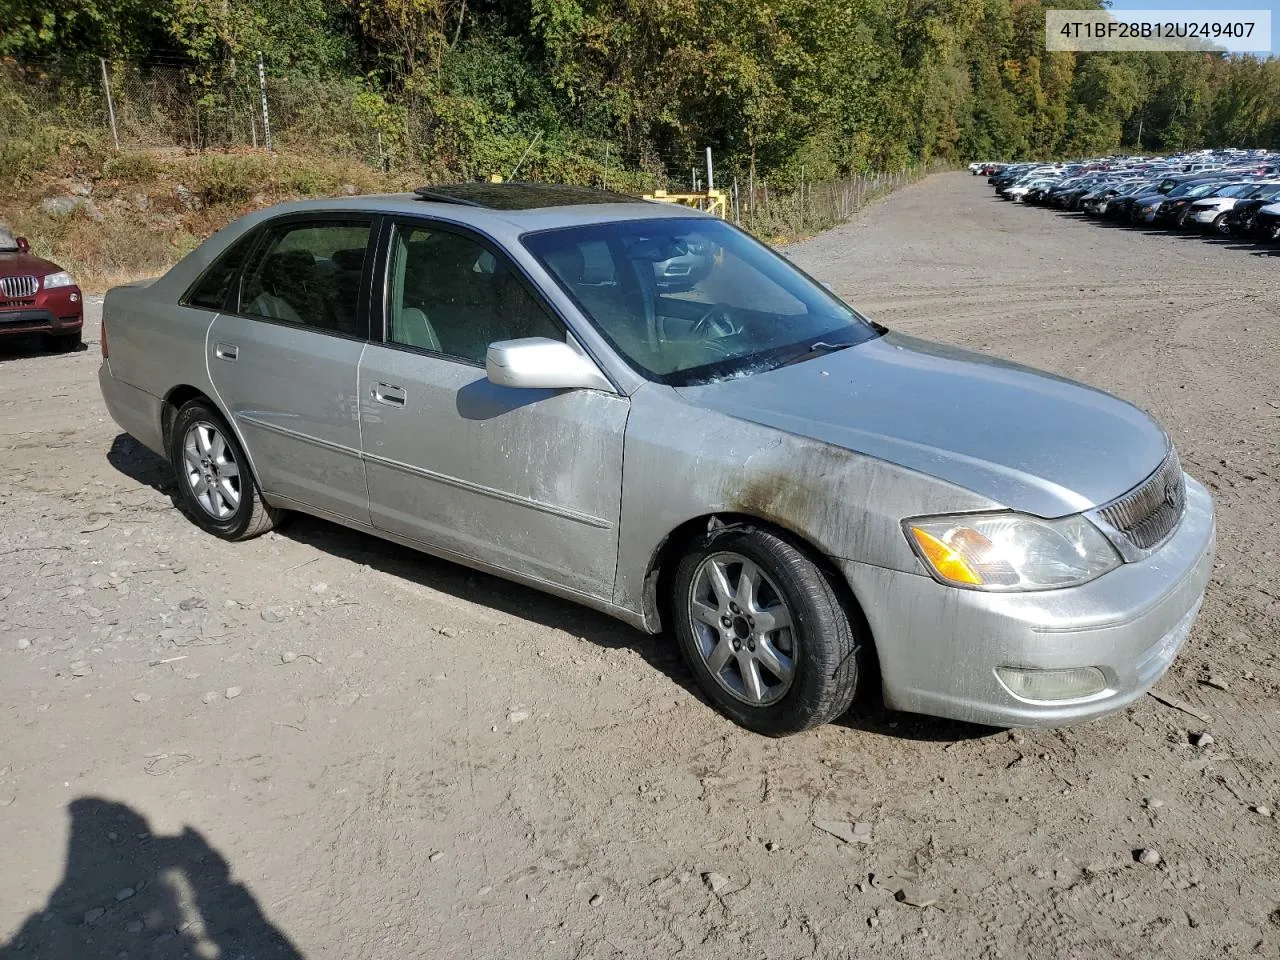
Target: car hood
<point x="1028" y="440"/>
<point x="15" y="263"/>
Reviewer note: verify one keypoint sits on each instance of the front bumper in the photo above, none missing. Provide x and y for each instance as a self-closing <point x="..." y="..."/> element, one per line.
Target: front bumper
<point x="28" y="320"/>
<point x="939" y="646"/>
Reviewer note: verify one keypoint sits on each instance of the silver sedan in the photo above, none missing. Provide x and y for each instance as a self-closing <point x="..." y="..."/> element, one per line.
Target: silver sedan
<point x="498" y="375"/>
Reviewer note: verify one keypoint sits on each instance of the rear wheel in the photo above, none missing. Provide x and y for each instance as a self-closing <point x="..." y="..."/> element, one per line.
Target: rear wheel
<point x="763" y="630"/>
<point x="214" y="480"/>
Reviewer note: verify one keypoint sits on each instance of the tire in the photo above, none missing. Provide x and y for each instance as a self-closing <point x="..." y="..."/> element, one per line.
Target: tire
<point x="825" y="651"/>
<point x="231" y="506"/>
<point x="1219" y="225"/>
<point x="64" y="342"/>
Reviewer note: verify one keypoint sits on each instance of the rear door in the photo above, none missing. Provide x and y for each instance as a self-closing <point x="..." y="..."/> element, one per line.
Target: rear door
<point x="284" y="359"/>
<point x="526" y="480"/>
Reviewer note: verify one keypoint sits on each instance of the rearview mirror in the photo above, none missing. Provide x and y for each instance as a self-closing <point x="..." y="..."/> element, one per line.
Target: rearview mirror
<point x="23" y="245"/>
<point x="542" y="363"/>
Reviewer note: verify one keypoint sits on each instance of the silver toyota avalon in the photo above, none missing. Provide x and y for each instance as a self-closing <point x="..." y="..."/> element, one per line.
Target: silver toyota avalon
<point x="503" y="375"/>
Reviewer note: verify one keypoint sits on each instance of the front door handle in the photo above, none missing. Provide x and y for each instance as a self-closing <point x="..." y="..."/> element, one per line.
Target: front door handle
<point x="226" y="351"/>
<point x="392" y="396"/>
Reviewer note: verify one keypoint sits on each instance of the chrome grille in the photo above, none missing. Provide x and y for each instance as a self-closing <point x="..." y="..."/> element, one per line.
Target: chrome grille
<point x="1147" y="514"/>
<point x="18" y="286"/>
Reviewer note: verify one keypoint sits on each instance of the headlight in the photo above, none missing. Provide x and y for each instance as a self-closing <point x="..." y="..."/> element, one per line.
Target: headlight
<point x="59" y="279"/>
<point x="1011" y="551"/>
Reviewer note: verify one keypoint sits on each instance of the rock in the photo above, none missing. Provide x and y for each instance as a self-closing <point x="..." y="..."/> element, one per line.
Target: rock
<point x="81" y="669"/>
<point x="1261" y="809"/>
<point x="193" y="603"/>
<point x="447" y="632"/>
<point x="288" y="656"/>
<point x="349" y="189"/>
<point x="1216" y="682"/>
<point x="274" y="614"/>
<point x="846" y="831"/>
<point x="94" y="915"/>
<point x="518" y="716"/>
<point x="771" y="846"/>
<point x="210" y="696"/>
<point x="1147" y="856"/>
<point x="59" y="206"/>
<point x="79" y="188"/>
<point x="716" y="882"/>
<point x="1202" y="739"/>
<point x="141" y="697"/>
<point x="596" y="900"/>
<point x="434" y="855"/>
<point x="319" y="587"/>
<point x="483" y="891"/>
<point x="124" y="893"/>
<point x="23" y="643"/>
<point x="233" y="692"/>
<point x="135" y="926"/>
<point x="913" y="896"/>
<point x="188" y="198"/>
<point x="1153" y="803"/>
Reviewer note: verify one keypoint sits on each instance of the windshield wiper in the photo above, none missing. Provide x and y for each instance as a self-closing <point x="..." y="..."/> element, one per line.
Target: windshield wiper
<point x="822" y="346"/>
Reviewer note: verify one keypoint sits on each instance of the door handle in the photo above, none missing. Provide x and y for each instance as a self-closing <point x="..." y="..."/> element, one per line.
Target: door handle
<point x="226" y="351"/>
<point x="392" y="396"/>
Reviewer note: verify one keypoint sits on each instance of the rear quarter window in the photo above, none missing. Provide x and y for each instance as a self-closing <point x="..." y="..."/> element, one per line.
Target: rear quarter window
<point x="210" y="291"/>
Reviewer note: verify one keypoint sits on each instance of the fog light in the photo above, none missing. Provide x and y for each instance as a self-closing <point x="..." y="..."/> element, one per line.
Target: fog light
<point x="75" y="298"/>
<point x="1067" y="684"/>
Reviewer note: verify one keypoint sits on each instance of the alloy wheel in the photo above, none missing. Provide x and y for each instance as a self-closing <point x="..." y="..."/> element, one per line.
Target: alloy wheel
<point x="211" y="470"/>
<point x="743" y="628"/>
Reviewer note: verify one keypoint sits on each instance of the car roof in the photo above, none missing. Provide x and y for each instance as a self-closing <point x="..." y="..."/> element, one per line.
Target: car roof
<point x="506" y="209"/>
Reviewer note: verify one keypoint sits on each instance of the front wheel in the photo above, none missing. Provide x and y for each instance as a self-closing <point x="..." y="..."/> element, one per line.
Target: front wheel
<point x="214" y="480"/>
<point x="1220" y="225"/>
<point x="763" y="630"/>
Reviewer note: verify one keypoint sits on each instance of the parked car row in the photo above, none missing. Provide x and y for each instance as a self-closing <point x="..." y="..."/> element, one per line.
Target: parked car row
<point x="1222" y="193"/>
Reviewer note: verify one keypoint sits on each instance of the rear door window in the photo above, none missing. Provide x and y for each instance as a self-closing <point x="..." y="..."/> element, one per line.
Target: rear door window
<point x="310" y="273"/>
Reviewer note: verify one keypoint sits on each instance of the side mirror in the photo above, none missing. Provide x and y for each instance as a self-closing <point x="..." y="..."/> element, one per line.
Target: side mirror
<point x="541" y="363"/>
<point x="23" y="245"/>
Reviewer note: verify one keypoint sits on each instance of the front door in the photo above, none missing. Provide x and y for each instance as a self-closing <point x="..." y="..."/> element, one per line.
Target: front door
<point x="284" y="360"/>
<point x="526" y="480"/>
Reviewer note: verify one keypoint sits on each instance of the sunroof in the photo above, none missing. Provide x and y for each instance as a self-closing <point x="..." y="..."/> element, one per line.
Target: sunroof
<point x="518" y="196"/>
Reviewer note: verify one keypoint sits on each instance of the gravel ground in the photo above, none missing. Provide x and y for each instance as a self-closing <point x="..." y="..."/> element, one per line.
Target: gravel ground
<point x="319" y="745"/>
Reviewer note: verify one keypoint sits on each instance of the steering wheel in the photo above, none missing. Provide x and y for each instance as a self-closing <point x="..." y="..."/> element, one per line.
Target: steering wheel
<point x="716" y="324"/>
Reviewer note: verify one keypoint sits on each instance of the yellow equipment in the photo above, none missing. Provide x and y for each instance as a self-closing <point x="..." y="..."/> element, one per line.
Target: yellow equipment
<point x="712" y="201"/>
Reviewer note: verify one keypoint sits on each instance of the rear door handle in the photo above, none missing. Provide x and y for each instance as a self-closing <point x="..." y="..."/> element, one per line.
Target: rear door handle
<point x="392" y="396"/>
<point x="226" y="351"/>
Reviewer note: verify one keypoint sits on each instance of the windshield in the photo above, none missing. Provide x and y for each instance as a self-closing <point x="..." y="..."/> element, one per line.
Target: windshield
<point x="692" y="299"/>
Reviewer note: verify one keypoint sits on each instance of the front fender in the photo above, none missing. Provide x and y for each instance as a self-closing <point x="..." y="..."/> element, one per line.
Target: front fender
<point x="682" y="461"/>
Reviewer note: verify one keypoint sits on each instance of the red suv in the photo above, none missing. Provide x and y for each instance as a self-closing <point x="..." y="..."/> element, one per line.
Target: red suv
<point x="37" y="296"/>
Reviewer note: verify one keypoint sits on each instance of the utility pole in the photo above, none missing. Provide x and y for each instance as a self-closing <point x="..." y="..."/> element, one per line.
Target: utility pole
<point x="266" y="116"/>
<point x="111" y="107"/>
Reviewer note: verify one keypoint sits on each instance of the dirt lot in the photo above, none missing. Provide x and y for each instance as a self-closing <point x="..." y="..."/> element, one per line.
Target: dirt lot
<point x="319" y="745"/>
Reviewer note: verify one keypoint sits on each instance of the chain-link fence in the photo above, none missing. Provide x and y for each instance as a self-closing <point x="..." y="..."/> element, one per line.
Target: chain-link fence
<point x="155" y="106"/>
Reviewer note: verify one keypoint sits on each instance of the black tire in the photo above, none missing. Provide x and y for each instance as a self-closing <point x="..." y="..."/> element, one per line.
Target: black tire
<point x="1219" y="225"/>
<point x="251" y="515"/>
<point x="64" y="342"/>
<point x="828" y="649"/>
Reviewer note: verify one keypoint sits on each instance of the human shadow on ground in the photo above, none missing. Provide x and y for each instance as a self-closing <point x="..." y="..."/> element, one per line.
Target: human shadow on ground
<point x="128" y="892"/>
